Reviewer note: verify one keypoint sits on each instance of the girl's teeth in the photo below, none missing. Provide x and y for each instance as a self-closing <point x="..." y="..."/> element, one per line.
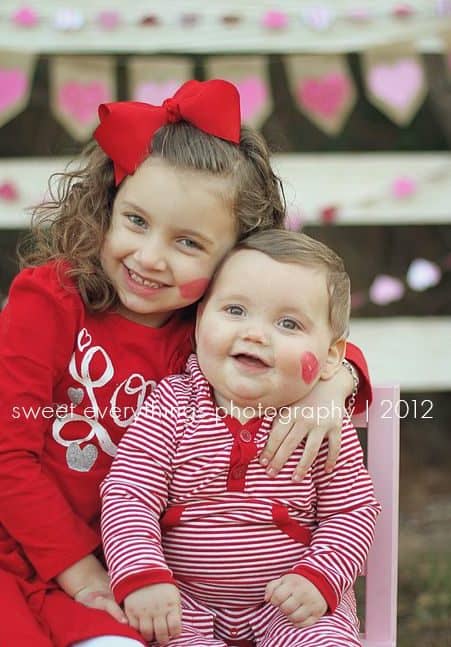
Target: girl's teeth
<point x="149" y="284"/>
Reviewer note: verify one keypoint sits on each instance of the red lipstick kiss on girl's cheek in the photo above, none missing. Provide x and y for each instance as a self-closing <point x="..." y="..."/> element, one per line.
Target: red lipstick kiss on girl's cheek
<point x="309" y="367"/>
<point x="194" y="289"/>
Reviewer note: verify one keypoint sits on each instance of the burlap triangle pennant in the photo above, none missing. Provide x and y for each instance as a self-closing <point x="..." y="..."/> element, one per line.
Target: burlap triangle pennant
<point x="250" y="75"/>
<point x="152" y="79"/>
<point x="78" y="84"/>
<point x="323" y="89"/>
<point x="16" y="73"/>
<point x="395" y="81"/>
<point x="446" y="38"/>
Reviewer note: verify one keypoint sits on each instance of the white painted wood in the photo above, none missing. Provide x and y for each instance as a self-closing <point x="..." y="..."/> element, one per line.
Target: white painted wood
<point x="359" y="183"/>
<point x="414" y="352"/>
<point x="211" y="35"/>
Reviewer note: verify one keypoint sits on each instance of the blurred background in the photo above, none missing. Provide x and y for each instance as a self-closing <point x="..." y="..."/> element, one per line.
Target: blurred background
<point x="354" y="99"/>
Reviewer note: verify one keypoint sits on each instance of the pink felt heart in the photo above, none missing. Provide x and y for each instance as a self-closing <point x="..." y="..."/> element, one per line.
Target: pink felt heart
<point x="13" y="85"/>
<point x="324" y="95"/>
<point x="396" y="84"/>
<point x="154" y="92"/>
<point x="386" y="289"/>
<point x="81" y="100"/>
<point x="403" y="187"/>
<point x="8" y="192"/>
<point x="253" y="94"/>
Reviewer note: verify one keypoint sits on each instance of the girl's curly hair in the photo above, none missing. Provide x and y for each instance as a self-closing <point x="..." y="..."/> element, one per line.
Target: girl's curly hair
<point x="70" y="226"/>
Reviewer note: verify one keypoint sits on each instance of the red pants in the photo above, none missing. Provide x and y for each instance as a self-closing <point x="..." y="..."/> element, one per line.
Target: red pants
<point x="40" y="615"/>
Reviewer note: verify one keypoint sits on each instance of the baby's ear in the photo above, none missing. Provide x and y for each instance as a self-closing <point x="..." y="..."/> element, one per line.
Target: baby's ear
<point x="335" y="356"/>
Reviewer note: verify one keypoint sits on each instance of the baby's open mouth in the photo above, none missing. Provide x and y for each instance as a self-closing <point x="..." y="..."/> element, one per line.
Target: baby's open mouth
<point x="250" y="360"/>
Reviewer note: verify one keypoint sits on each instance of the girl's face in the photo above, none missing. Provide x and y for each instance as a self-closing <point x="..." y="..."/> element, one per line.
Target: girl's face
<point x="169" y="229"/>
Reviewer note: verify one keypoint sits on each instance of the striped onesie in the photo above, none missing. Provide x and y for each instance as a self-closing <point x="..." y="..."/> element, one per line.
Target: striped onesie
<point x="187" y="502"/>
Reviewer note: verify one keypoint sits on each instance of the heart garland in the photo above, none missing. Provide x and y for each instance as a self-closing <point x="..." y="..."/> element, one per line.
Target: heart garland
<point x="249" y="74"/>
<point x="395" y="81"/>
<point x="323" y="89"/>
<point x="78" y="84"/>
<point x="422" y="274"/>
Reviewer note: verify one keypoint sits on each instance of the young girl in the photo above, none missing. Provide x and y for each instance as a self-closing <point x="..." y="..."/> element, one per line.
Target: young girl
<point x="98" y="317"/>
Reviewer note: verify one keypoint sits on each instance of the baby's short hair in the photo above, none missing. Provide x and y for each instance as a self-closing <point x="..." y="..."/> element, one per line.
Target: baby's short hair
<point x="293" y="247"/>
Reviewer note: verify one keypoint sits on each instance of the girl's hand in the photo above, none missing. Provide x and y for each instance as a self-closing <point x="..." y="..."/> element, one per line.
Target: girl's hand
<point x="103" y="599"/>
<point x="155" y="611"/>
<point x="88" y="583"/>
<point x="318" y="415"/>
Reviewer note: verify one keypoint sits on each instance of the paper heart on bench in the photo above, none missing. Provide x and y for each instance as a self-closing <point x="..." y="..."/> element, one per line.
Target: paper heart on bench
<point x="81" y="100"/>
<point x="155" y="93"/>
<point x="13" y="85"/>
<point x="323" y="89"/>
<point x="324" y="95"/>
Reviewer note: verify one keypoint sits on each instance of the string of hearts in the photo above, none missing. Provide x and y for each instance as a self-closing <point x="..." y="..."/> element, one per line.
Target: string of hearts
<point x="322" y="86"/>
<point x="422" y="274"/>
<point x="400" y="188"/>
<point x="317" y="16"/>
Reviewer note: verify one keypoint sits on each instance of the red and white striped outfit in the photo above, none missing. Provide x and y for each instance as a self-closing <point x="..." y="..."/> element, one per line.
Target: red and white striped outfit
<point x="227" y="529"/>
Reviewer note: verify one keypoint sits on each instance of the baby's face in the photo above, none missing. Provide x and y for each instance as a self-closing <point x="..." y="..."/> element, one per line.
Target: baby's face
<point x="263" y="336"/>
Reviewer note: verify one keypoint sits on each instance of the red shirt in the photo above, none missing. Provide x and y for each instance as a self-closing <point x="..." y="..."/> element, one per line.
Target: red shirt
<point x="70" y="382"/>
<point x="93" y="371"/>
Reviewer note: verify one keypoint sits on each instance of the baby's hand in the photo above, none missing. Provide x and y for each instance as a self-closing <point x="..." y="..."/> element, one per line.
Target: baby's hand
<point x="101" y="597"/>
<point x="155" y="611"/>
<point x="297" y="598"/>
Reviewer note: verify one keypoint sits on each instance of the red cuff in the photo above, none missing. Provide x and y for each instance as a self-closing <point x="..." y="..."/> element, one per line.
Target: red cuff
<point x="321" y="582"/>
<point x="365" y="392"/>
<point x="140" y="580"/>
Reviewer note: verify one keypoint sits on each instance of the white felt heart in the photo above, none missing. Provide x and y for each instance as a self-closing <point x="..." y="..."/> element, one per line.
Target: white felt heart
<point x="423" y="274"/>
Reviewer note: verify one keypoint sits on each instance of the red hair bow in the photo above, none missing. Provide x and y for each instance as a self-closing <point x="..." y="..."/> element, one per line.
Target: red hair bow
<point x="126" y="127"/>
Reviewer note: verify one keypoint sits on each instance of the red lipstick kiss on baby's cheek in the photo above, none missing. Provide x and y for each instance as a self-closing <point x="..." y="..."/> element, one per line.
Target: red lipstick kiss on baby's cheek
<point x="309" y="367"/>
<point x="194" y="289"/>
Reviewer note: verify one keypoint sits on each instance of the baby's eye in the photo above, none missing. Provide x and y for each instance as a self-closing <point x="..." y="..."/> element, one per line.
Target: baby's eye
<point x="136" y="220"/>
<point x="189" y="243"/>
<point x="235" y="310"/>
<point x="289" y="324"/>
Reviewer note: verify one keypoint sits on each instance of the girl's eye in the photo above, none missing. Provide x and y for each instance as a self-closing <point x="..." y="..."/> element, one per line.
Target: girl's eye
<point x="289" y="324"/>
<point x="189" y="243"/>
<point x="136" y="220"/>
<point x="236" y="311"/>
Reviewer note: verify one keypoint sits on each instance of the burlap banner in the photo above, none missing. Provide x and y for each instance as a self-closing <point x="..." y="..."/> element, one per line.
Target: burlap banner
<point x="152" y="80"/>
<point x="323" y="89"/>
<point x="395" y="81"/>
<point x="446" y="38"/>
<point x="78" y="84"/>
<point x="16" y="74"/>
<point x="250" y="75"/>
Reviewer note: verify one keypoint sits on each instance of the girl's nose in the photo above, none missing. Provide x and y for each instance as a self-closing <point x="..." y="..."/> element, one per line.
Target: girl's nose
<point x="152" y="254"/>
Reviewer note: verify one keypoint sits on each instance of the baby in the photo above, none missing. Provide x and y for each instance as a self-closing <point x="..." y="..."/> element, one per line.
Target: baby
<point x="202" y="547"/>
